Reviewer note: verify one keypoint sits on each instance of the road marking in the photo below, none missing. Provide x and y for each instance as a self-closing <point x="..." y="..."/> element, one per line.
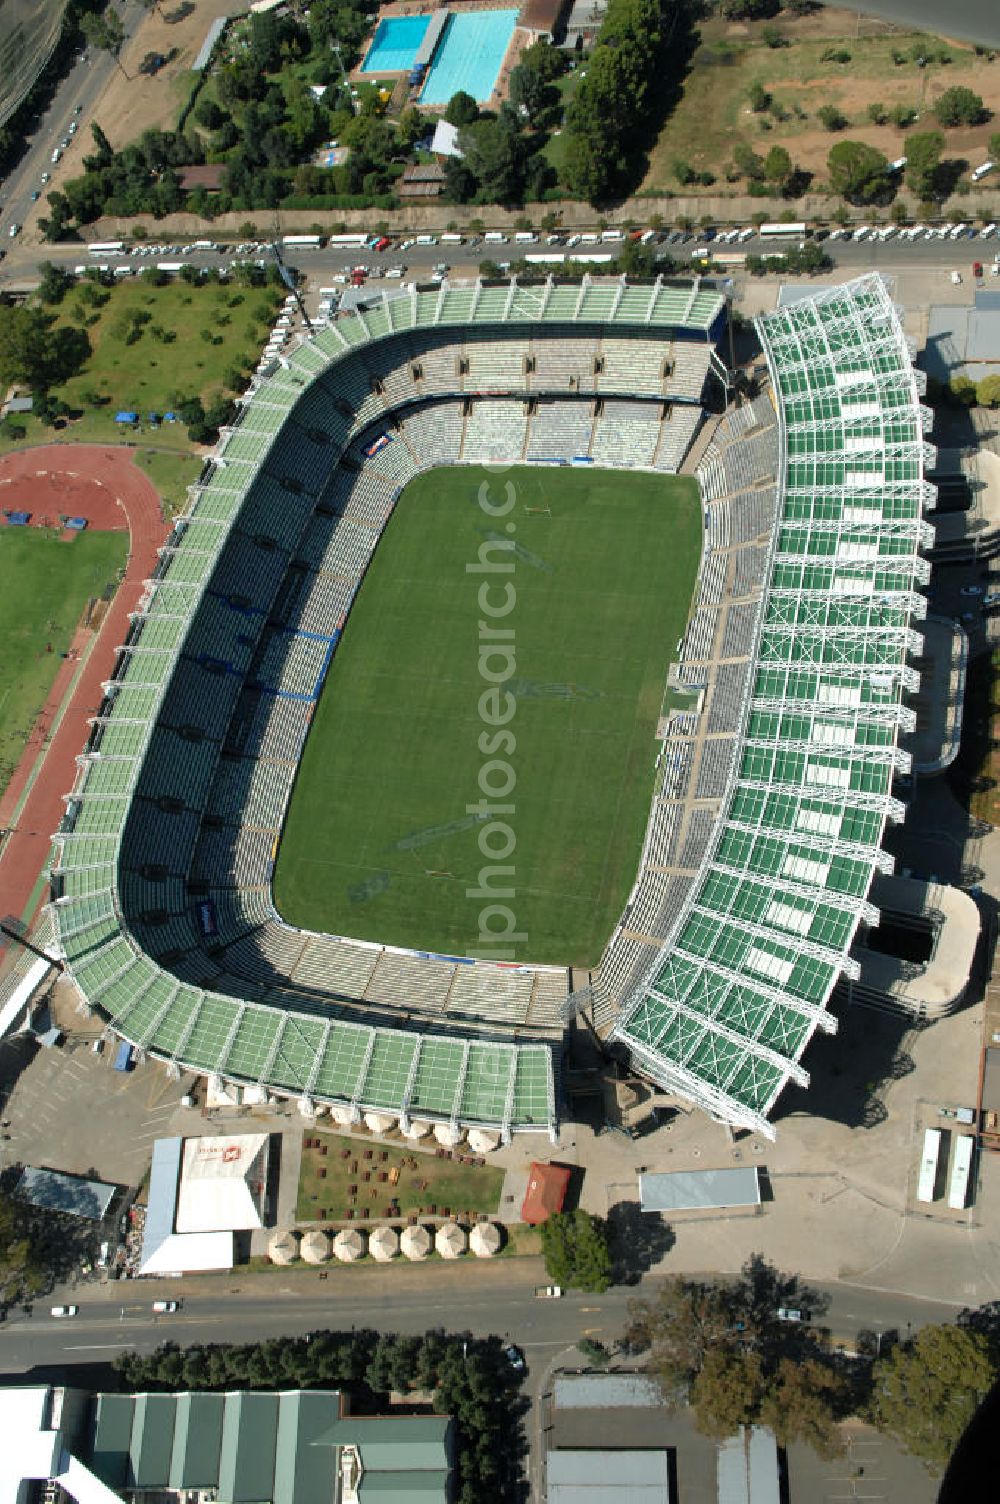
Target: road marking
<point x="92" y="1347"/>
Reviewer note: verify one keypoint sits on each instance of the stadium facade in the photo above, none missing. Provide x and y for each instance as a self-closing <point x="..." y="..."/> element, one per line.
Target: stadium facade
<point x="161" y="885"/>
<point x="29" y="30"/>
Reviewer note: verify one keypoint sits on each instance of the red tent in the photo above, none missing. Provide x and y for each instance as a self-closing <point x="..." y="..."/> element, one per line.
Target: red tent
<point x="547" y="1187"/>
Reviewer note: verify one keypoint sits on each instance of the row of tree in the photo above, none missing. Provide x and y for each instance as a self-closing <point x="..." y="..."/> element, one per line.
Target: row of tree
<point x="472" y="1379"/>
<point x="721" y="1347"/>
<point x="633" y="78"/>
<point x="861" y="174"/>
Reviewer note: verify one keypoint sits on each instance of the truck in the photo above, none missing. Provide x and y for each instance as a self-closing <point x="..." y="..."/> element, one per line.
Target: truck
<point x="548" y="1292"/>
<point x="123" y="1056"/>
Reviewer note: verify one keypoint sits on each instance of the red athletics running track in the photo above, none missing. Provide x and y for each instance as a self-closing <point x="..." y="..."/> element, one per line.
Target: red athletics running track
<point x="106" y="487"/>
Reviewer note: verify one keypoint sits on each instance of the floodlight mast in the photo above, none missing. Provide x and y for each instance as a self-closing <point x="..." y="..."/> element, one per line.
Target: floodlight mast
<point x="289" y="281"/>
<point x="14" y="930"/>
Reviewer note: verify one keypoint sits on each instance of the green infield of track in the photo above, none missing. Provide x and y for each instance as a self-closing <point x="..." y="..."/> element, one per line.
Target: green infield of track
<point x="378" y="843"/>
<point x="46" y="585"/>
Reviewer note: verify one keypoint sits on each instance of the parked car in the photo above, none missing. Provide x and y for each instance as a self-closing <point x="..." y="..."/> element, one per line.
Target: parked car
<point x="792" y="1313"/>
<point x="165" y="1307"/>
<point x="515" y="1358"/>
<point x="65" y="1310"/>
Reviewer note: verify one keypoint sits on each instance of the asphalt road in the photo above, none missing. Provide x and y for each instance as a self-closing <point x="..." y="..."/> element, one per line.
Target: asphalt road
<point x="83" y="85"/>
<point x="113" y="1317"/>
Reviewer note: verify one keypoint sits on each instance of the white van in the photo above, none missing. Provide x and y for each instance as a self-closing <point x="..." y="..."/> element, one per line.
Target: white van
<point x="979" y="173"/>
<point x="648" y="237"/>
<point x="612" y="235"/>
<point x="426" y="240"/>
<point x="525" y="237"/>
<point x="494" y="237"/>
<point x="451" y="240"/>
<point x="57" y="153"/>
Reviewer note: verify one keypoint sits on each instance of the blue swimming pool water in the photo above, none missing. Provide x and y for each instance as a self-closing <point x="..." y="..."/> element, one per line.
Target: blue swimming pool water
<point x="472" y="48"/>
<point x="395" y="44"/>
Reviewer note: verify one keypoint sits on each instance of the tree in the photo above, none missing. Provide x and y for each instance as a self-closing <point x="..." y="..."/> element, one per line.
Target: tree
<point x="778" y="166"/>
<point x="803" y="1404"/>
<point x="55" y="284"/>
<point x="461" y="109"/>
<point x="857" y="171"/>
<point x="923" y="160"/>
<point x="832" y="118"/>
<point x="759" y="97"/>
<point x="494" y="152"/>
<point x="988" y="391"/>
<point x="105" y="32"/>
<point x="36" y="354"/>
<point x="749" y="162"/>
<point x="727" y="1391"/>
<point x="20" y="1273"/>
<point x="959" y="106"/>
<point x="926" y="1391"/>
<point x="575" y="1246"/>
<point x="749" y="10"/>
<point x="962" y="391"/>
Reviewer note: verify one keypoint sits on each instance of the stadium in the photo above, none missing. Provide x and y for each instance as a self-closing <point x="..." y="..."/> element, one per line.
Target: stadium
<point x="774" y="777"/>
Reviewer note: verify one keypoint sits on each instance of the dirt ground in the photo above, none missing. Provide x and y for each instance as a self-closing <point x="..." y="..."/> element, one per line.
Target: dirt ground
<point x="714" y="116"/>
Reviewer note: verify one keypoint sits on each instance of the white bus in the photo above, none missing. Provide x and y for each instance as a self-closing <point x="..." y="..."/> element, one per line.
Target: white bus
<point x="958" y="1186"/>
<point x="106" y="248"/>
<point x="303" y="242"/>
<point x="348" y="242"/>
<point x="782" y="231"/>
<point x="929" y="1165"/>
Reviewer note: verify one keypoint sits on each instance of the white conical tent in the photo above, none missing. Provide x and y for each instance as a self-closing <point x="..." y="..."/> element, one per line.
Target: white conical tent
<point x="315" y="1247"/>
<point x="482" y="1141"/>
<point x="283" y="1247"/>
<point x="415" y="1242"/>
<point x="342" y="1115"/>
<point x="448" y="1134"/>
<point x="416" y="1129"/>
<point x="384" y="1244"/>
<point x="348" y="1245"/>
<point x="379" y="1122"/>
<point x="484" y="1240"/>
<point x="449" y="1240"/>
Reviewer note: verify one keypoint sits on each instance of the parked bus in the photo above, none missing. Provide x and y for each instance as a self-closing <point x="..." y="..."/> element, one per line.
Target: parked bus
<point x="347" y="242"/>
<point x="958" y="1186"/>
<point x="106" y="248"/>
<point x="783" y="232"/>
<point x="929" y="1165"/>
<point x="303" y="242"/>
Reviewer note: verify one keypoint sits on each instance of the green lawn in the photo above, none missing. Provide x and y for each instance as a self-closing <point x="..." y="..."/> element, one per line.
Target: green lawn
<point x="171" y="474"/>
<point x="46" y="585"/>
<point x="150" y="374"/>
<point x="423" y="1183"/>
<point x="603" y="584"/>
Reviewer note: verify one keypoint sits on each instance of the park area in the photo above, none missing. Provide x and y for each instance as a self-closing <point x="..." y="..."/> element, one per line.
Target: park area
<point x="345" y="1180"/>
<point x="47" y="585"/>
<point x="381" y="840"/>
<point x="153" y="349"/>
<point x="830" y="60"/>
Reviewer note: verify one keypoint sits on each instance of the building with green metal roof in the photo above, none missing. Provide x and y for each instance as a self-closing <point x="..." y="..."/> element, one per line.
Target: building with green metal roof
<point x="295" y="1447"/>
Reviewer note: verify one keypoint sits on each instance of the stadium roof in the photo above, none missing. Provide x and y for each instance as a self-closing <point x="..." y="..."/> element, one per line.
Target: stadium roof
<point x="744" y="977"/>
<point x="259" y="1039"/>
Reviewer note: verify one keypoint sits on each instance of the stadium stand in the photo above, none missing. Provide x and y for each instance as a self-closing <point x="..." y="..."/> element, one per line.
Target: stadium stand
<point x="725" y="1007"/>
<point x="161" y="886"/>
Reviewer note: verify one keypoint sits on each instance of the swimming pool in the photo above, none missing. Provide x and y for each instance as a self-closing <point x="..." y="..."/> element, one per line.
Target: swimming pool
<point x="469" y="56"/>
<point x="395" y="44"/>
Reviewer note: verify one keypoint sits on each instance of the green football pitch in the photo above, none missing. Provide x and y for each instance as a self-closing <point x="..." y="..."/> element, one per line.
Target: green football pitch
<point x="46" y="585"/>
<point x="379" y="842"/>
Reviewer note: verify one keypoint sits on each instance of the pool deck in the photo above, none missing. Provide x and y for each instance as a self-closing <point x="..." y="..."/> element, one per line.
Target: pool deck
<point x="395" y="9"/>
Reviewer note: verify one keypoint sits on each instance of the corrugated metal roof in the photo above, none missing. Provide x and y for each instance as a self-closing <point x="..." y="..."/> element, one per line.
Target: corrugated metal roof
<point x="152" y="1440"/>
<point x="605" y="1391"/>
<point x="164" y="1176"/>
<point x="249" y="1435"/>
<point x="68" y="1194"/>
<point x="684" y="1190"/>
<point x="748" y="1468"/>
<point x="194" y="1462"/>
<point x="112" y="1433"/>
<point x="390" y="1443"/>
<point x="302" y="1471"/>
<point x="426" y="1487"/>
<point x="591" y="1477"/>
